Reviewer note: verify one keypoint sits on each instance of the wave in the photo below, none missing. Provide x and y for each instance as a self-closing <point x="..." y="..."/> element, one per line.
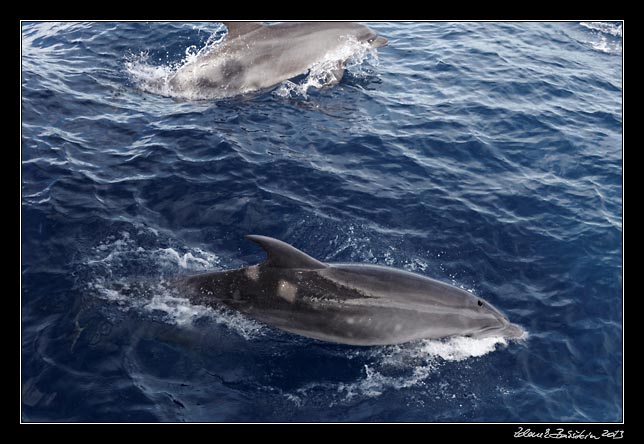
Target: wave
<point x="614" y="29"/>
<point x="607" y="36"/>
<point x="397" y="368"/>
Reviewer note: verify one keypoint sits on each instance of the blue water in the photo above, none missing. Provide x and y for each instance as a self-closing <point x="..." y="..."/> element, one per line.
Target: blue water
<point x="487" y="155"/>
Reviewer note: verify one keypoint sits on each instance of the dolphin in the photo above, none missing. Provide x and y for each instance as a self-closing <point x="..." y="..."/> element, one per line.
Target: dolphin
<point x="255" y="56"/>
<point x="355" y="304"/>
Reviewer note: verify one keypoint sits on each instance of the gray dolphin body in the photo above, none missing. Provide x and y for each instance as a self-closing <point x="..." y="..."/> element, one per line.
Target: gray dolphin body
<point x="254" y="56"/>
<point x="347" y="303"/>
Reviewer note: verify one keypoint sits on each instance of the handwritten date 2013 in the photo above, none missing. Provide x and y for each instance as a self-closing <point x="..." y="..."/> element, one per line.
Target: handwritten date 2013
<point x="568" y="434"/>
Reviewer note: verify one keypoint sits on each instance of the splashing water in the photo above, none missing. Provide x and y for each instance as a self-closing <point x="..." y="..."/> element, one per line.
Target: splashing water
<point x="147" y="287"/>
<point x="607" y="36"/>
<point x="397" y="367"/>
<point x="360" y="59"/>
<point x="614" y="29"/>
<point x="155" y="79"/>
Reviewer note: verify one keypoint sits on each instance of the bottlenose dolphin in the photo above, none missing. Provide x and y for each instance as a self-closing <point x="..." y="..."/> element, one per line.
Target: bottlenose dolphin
<point x="254" y="56"/>
<point x="353" y="304"/>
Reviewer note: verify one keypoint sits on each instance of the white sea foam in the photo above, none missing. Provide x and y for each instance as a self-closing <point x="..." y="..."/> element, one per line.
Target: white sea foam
<point x="114" y="250"/>
<point x="614" y="29"/>
<point x="114" y="279"/>
<point x="604" y="45"/>
<point x="374" y="383"/>
<point x="201" y="260"/>
<point x="148" y="77"/>
<point x="399" y="367"/>
<point x="358" y="57"/>
<point x="461" y="348"/>
<point x="607" y="36"/>
<point x="155" y="79"/>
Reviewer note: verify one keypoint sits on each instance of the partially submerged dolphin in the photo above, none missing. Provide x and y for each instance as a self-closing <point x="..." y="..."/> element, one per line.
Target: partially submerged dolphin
<point x="254" y="56"/>
<point x="347" y="303"/>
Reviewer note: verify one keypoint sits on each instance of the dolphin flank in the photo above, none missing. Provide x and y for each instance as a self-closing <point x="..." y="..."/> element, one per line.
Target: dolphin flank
<point x="254" y="56"/>
<point x="353" y="304"/>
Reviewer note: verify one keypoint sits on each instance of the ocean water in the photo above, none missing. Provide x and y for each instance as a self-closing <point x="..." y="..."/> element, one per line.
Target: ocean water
<point x="487" y="155"/>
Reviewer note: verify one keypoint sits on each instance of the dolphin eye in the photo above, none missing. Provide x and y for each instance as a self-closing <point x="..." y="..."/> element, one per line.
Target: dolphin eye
<point x="371" y="40"/>
<point x="480" y="303"/>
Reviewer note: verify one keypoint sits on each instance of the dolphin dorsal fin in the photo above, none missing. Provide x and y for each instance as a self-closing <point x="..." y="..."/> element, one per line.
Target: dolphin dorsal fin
<point x="283" y="255"/>
<point x="235" y="29"/>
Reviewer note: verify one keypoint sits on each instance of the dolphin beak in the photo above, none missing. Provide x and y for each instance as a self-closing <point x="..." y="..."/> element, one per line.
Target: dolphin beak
<point x="513" y="331"/>
<point x="379" y="41"/>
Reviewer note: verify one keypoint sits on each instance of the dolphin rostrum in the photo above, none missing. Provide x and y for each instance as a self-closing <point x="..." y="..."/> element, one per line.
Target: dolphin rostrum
<point x="355" y="304"/>
<point x="254" y="56"/>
